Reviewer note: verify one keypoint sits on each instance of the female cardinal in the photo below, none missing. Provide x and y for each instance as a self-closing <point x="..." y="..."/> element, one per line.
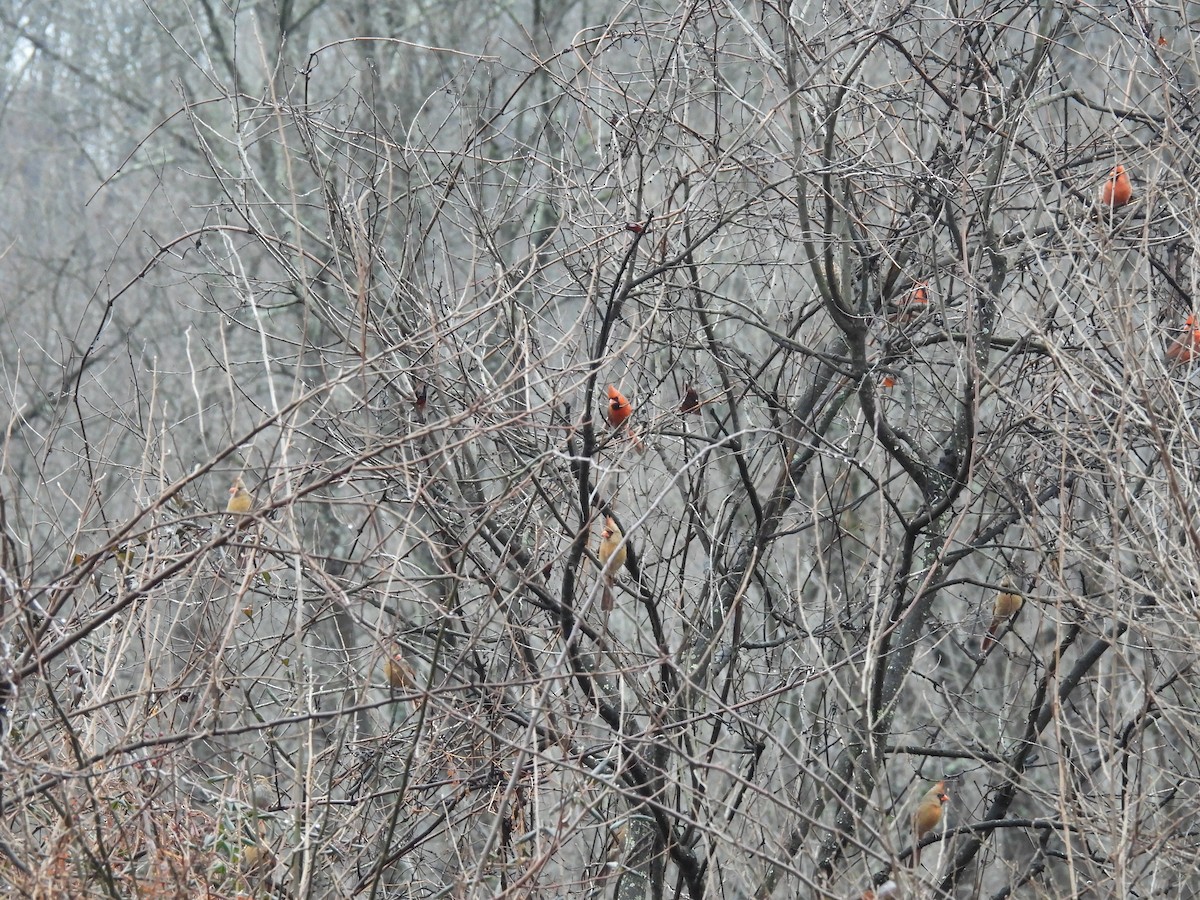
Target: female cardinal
<point x="240" y="499"/>
<point x="401" y="677"/>
<point x="1184" y="348"/>
<point x="1117" y="189"/>
<point x="927" y="816"/>
<point x="1008" y="603"/>
<point x="619" y="412"/>
<point x="612" y="558"/>
<point x="399" y="674"/>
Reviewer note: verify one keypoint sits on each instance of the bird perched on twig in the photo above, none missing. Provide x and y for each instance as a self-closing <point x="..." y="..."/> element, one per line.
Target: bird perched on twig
<point x="240" y="500"/>
<point x="399" y="674"/>
<point x="911" y="305"/>
<point x="1008" y="603"/>
<point x="690" y="402"/>
<point x="256" y="859"/>
<point x="1186" y="345"/>
<point x="1117" y="190"/>
<point x="927" y="816"/>
<point x="619" y="412"/>
<point x="612" y="557"/>
<point x="619" y="409"/>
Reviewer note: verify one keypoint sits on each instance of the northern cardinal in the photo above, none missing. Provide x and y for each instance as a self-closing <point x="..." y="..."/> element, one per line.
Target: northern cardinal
<point x="691" y="401"/>
<point x="927" y="817"/>
<point x="1185" y="347"/>
<point x="240" y="499"/>
<point x="619" y="409"/>
<point x="889" y="889"/>
<point x="912" y="304"/>
<point x="1008" y="603"/>
<point x="612" y="558"/>
<point x="398" y="673"/>
<point x="619" y="412"/>
<point x="1117" y="189"/>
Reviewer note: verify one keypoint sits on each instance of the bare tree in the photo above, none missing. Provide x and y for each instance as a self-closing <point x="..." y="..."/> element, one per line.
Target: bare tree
<point x="898" y="363"/>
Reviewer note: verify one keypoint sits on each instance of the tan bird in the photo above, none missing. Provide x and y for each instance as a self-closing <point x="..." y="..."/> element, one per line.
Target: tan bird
<point x="240" y="499"/>
<point x="1008" y="604"/>
<point x="256" y="859"/>
<point x="927" y="817"/>
<point x="612" y="558"/>
<point x="399" y="674"/>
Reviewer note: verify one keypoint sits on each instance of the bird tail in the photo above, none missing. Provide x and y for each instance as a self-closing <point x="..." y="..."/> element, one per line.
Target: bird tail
<point x="606" y="599"/>
<point x="990" y="638"/>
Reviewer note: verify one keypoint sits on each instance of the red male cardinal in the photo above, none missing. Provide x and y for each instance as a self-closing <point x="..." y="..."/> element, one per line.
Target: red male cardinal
<point x="619" y="412"/>
<point x="1008" y="604"/>
<point x="612" y="558"/>
<point x="927" y="817"/>
<point x="911" y="305"/>
<point x="1185" y="347"/>
<point x="618" y="407"/>
<point x="1117" y="189"/>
